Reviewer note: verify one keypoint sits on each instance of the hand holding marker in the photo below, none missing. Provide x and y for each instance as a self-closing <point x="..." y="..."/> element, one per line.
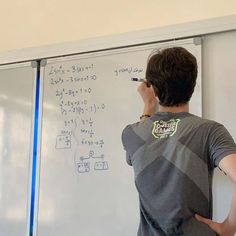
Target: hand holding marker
<point x="141" y="80"/>
<point x="148" y="95"/>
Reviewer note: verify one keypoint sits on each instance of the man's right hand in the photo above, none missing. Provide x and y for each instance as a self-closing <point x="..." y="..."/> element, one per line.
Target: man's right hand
<point x="149" y="98"/>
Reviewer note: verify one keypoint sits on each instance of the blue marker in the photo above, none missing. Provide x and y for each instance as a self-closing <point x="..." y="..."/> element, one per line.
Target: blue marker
<point x="138" y="80"/>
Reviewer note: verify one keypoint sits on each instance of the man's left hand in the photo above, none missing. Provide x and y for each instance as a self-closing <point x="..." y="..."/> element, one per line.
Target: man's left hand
<point x="219" y="228"/>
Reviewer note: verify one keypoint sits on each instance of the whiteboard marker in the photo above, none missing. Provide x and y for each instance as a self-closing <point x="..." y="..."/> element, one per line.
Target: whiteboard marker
<point x="138" y="80"/>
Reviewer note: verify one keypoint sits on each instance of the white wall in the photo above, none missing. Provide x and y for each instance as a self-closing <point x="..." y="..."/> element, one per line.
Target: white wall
<point x="31" y="23"/>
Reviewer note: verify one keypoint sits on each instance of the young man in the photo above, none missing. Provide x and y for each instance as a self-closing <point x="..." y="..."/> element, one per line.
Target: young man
<point x="174" y="153"/>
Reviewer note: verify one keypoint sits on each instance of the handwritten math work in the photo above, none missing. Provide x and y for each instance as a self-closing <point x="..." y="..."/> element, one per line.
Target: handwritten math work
<point x="81" y="110"/>
<point x="73" y="89"/>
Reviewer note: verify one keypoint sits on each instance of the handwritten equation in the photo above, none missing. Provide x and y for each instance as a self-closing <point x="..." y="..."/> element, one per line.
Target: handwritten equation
<point x="61" y="70"/>
<point x="82" y="121"/>
<point x="84" y="167"/>
<point x="76" y="108"/>
<point x="72" y="93"/>
<point x="71" y="79"/>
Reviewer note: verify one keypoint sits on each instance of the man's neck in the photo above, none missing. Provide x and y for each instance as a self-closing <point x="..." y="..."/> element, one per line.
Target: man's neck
<point x="174" y="109"/>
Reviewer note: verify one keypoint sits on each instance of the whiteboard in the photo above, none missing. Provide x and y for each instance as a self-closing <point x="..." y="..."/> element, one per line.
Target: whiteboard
<point x="85" y="186"/>
<point x="16" y="116"/>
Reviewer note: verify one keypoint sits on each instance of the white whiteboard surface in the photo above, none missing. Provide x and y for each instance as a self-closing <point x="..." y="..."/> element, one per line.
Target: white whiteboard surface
<point x="16" y="117"/>
<point x="85" y="186"/>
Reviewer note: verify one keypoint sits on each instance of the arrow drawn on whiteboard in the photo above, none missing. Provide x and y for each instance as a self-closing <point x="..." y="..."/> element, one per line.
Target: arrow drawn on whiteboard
<point x="63" y="142"/>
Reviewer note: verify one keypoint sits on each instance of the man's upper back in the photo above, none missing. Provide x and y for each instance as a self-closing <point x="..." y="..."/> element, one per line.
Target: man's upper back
<point x="173" y="156"/>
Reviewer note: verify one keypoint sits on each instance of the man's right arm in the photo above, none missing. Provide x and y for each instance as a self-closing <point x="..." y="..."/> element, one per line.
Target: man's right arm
<point x="149" y="99"/>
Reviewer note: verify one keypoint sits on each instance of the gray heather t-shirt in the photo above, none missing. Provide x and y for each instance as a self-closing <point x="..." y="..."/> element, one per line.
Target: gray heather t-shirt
<point x="173" y="156"/>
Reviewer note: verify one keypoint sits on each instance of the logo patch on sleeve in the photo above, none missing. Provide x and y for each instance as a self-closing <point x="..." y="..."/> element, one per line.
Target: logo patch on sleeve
<point x="164" y="129"/>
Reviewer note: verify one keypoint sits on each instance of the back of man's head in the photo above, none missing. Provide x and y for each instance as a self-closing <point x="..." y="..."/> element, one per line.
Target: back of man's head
<point x="172" y="72"/>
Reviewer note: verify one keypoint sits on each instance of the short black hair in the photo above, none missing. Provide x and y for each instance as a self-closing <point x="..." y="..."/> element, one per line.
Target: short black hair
<point x="172" y="72"/>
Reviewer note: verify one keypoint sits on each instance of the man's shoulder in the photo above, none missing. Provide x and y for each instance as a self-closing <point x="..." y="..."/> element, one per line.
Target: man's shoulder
<point x="200" y="121"/>
<point x="138" y="130"/>
<point x="130" y="128"/>
<point x="138" y="124"/>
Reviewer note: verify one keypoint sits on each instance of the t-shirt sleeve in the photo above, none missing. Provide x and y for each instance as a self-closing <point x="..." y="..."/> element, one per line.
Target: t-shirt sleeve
<point x="128" y="159"/>
<point x="221" y="144"/>
<point x="124" y="137"/>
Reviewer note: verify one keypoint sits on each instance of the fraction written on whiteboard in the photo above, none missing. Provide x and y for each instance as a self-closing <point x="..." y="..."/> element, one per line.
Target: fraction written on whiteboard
<point x="63" y="142"/>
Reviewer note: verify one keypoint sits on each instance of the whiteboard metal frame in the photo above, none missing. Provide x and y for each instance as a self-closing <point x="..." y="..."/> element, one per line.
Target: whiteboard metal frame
<point x="135" y="38"/>
<point x="37" y="180"/>
<point x="121" y="50"/>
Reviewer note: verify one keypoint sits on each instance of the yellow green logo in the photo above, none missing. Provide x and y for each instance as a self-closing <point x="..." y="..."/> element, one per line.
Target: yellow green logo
<point x="164" y="129"/>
